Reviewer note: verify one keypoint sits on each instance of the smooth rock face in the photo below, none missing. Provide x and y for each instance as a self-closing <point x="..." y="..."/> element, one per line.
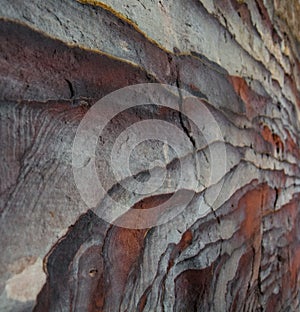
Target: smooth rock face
<point x="234" y="244"/>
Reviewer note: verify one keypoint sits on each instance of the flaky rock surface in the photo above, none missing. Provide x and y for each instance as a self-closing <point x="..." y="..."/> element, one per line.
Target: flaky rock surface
<point x="235" y="251"/>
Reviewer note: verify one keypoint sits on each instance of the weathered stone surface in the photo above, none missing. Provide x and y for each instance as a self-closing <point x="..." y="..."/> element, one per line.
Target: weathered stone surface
<point x="235" y="251"/>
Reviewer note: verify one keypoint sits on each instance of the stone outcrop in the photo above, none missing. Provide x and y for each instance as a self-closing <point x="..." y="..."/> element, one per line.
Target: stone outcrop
<point x="235" y="245"/>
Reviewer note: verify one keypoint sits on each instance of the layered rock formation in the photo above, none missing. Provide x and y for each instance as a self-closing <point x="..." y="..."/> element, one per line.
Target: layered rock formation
<point x="234" y="245"/>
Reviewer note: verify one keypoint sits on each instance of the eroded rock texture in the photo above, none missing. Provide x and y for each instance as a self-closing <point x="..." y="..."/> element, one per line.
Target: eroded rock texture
<point x="235" y="247"/>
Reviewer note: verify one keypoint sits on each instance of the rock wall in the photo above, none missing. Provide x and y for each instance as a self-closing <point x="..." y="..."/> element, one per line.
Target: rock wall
<point x="231" y="175"/>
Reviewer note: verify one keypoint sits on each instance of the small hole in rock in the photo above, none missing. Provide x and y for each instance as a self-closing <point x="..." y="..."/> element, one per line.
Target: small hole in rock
<point x="93" y="272"/>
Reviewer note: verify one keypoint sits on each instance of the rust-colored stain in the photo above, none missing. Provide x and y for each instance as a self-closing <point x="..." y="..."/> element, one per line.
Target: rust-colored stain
<point x="132" y="218"/>
<point x="143" y="301"/>
<point x="242" y="10"/>
<point x="254" y="103"/>
<point x="123" y="250"/>
<point x="123" y="247"/>
<point x="254" y="204"/>
<point x="93" y="267"/>
<point x="273" y="138"/>
<point x="185" y="241"/>
<point x="152" y="201"/>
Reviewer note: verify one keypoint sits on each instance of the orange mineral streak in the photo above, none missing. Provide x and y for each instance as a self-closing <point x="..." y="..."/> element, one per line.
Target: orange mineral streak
<point x="253" y="102"/>
<point x="143" y="301"/>
<point x="124" y="247"/>
<point x="185" y="241"/>
<point x="255" y="205"/>
<point x="273" y="138"/>
<point x="136" y="215"/>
